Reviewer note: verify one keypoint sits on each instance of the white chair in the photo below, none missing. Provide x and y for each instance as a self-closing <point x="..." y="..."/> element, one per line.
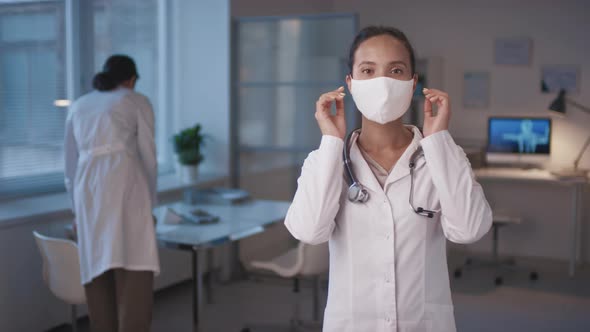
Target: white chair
<point x="499" y="220"/>
<point x="303" y="261"/>
<point x="61" y="271"/>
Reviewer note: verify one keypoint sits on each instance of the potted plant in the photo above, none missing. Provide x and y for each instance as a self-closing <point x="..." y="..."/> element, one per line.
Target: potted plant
<point x="187" y="145"/>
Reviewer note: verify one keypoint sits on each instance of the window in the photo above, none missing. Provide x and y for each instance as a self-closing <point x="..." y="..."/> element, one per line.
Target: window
<point x="32" y="75"/>
<point x="33" y="85"/>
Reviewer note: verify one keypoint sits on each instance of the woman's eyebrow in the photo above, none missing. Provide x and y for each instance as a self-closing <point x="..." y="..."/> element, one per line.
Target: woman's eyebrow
<point x="398" y="62"/>
<point x="366" y="63"/>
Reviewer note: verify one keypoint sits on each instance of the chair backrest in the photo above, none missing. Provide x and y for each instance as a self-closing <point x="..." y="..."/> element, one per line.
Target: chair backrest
<point x="316" y="258"/>
<point x="61" y="268"/>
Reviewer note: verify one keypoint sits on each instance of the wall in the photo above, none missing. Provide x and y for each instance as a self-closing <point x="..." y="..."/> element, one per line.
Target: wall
<point x="280" y="8"/>
<point x="200" y="67"/>
<point x="462" y="33"/>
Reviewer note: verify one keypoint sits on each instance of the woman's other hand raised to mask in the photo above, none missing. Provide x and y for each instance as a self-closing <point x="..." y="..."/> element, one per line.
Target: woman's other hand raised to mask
<point x="333" y="125"/>
<point x="440" y="121"/>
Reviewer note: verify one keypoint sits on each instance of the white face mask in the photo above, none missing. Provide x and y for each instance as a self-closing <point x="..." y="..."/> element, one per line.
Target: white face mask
<point x="382" y="99"/>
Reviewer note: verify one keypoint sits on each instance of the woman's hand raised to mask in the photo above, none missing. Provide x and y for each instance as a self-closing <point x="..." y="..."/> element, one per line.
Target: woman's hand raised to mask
<point x="440" y="121"/>
<point x="333" y="125"/>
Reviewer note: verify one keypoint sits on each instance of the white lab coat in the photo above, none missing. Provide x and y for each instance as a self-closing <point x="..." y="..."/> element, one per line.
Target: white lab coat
<point x="110" y="173"/>
<point x="388" y="265"/>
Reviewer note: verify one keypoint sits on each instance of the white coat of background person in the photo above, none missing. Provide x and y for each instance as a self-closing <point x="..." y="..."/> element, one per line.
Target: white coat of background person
<point x="388" y="264"/>
<point x="110" y="173"/>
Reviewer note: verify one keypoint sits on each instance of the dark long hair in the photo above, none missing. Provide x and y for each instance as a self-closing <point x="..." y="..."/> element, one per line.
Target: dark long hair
<point x="117" y="69"/>
<point x="374" y="31"/>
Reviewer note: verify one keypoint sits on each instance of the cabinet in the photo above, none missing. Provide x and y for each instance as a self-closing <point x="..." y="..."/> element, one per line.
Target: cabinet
<point x="281" y="65"/>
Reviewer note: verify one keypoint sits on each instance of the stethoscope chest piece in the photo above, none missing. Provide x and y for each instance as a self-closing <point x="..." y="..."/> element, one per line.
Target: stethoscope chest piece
<point x="357" y="194"/>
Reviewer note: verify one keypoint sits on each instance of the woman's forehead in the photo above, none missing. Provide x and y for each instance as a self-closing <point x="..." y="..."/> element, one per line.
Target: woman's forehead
<point x="381" y="49"/>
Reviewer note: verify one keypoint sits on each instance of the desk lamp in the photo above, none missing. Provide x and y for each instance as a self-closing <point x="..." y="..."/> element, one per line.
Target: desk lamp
<point x="559" y="106"/>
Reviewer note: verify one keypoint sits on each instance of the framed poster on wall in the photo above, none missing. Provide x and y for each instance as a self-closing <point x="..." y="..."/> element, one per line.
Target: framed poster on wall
<point x="476" y="90"/>
<point x="513" y="51"/>
<point x="557" y="77"/>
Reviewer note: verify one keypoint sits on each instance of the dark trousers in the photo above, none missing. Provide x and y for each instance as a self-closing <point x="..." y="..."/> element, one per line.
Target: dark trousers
<point x="120" y="301"/>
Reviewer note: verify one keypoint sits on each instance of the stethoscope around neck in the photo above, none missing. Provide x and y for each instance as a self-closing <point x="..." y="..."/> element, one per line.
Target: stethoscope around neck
<point x="357" y="193"/>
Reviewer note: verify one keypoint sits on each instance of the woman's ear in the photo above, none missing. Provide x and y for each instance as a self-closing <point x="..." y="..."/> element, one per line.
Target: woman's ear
<point x="348" y="82"/>
<point x="415" y="81"/>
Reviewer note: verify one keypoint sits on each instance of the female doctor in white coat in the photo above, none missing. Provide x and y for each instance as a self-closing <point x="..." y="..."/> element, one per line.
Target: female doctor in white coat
<point x="111" y="169"/>
<point x="407" y="191"/>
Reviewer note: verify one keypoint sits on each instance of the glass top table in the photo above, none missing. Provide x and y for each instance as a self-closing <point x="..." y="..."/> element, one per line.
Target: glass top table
<point x="236" y="221"/>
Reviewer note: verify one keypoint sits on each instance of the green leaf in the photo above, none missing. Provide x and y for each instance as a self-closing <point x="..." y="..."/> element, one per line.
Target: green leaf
<point x="187" y="145"/>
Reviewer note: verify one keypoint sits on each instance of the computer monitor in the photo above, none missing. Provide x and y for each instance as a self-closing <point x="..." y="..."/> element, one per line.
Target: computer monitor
<point x="518" y="140"/>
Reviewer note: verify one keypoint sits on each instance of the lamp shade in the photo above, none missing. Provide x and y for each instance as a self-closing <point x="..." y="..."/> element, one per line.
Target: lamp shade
<point x="558" y="105"/>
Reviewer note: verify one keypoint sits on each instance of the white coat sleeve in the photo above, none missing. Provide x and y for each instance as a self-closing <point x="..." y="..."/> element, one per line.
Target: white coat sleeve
<point x="71" y="154"/>
<point x="310" y="218"/>
<point x="147" y="146"/>
<point x="465" y="213"/>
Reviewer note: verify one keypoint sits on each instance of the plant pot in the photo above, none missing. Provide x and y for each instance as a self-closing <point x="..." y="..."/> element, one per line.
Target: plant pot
<point x="188" y="173"/>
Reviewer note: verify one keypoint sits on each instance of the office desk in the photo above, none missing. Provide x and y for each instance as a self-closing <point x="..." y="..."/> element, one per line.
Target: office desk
<point x="515" y="175"/>
<point x="236" y="222"/>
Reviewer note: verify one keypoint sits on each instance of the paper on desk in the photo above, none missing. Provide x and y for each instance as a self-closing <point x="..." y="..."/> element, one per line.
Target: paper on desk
<point x="171" y="217"/>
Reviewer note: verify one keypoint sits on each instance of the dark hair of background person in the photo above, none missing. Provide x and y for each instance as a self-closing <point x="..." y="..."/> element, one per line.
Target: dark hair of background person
<point x="374" y="31"/>
<point x="117" y="69"/>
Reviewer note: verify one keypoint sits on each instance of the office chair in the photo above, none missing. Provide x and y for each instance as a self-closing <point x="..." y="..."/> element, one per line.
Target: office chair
<point x="303" y="261"/>
<point x="61" y="271"/>
<point x="495" y="261"/>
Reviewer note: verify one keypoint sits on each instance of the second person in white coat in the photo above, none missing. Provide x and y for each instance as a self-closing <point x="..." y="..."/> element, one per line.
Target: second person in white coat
<point x="388" y="265"/>
<point x="111" y="171"/>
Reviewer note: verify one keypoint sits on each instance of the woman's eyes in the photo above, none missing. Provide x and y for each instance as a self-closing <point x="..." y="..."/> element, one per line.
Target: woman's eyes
<point x="395" y="71"/>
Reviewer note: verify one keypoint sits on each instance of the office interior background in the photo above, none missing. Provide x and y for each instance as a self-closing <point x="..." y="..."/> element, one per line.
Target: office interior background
<point x="249" y="71"/>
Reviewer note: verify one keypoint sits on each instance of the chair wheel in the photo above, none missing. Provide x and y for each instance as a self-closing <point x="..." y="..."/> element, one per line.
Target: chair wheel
<point x="468" y="261"/>
<point x="245" y="330"/>
<point x="458" y="273"/>
<point x="498" y="281"/>
<point x="534" y="276"/>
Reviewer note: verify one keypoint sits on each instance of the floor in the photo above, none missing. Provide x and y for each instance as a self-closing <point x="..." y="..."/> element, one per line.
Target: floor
<point x="552" y="303"/>
<point x="555" y="302"/>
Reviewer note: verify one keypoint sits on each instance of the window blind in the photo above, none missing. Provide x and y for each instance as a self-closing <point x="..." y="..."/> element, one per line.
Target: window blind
<point x="32" y="79"/>
<point x="33" y="105"/>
